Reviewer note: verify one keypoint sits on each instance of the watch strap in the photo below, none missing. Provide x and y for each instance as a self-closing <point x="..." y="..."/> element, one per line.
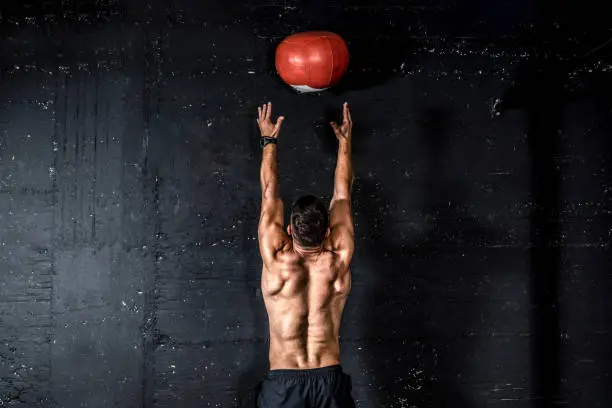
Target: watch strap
<point x="265" y="140"/>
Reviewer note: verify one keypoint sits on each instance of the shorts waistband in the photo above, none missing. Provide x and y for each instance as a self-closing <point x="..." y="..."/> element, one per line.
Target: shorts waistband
<point x="306" y="373"/>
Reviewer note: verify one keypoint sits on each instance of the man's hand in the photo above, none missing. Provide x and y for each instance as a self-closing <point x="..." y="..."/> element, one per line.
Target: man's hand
<point x="344" y="131"/>
<point x="267" y="128"/>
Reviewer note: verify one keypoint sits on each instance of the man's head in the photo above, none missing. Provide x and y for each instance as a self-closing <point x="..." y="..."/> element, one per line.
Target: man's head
<point x="309" y="222"/>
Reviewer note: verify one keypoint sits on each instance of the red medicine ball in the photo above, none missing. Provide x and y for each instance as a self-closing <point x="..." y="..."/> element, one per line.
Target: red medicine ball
<point x="312" y="61"/>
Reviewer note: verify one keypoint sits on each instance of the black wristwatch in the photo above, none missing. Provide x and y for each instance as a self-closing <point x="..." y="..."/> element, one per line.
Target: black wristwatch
<point x="264" y="141"/>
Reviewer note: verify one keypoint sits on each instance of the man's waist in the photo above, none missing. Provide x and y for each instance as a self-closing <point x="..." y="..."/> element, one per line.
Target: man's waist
<point x="326" y="371"/>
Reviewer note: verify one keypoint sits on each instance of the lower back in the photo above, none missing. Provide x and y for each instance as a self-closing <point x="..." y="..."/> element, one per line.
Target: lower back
<point x="299" y="354"/>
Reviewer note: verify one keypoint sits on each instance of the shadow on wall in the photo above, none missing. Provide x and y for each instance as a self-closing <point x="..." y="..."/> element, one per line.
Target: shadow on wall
<point x="413" y="358"/>
<point x="600" y="87"/>
<point x="249" y="376"/>
<point x="554" y="75"/>
<point x="544" y="103"/>
<point x="257" y="350"/>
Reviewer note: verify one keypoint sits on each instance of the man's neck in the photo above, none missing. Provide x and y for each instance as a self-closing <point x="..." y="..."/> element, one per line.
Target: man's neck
<point x="307" y="252"/>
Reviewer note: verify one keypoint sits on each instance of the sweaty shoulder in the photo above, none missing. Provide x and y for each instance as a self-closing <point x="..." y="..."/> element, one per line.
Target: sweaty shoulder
<point x="340" y="257"/>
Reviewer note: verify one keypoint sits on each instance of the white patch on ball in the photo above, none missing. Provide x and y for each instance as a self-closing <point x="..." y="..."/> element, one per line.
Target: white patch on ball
<point x="306" y="89"/>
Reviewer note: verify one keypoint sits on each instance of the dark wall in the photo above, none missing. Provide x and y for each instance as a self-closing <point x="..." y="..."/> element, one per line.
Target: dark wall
<point x="129" y="199"/>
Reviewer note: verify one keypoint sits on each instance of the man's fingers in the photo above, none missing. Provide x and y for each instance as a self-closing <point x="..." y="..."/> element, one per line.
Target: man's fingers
<point x="269" y="110"/>
<point x="348" y="112"/>
<point x="334" y="126"/>
<point x="346" y="119"/>
<point x="278" y="124"/>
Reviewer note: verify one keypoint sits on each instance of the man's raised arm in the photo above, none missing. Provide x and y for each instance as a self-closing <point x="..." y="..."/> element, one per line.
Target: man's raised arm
<point x="271" y="234"/>
<point x="341" y="217"/>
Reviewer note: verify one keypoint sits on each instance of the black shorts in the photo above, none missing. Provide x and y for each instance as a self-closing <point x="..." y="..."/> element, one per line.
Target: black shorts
<point x="327" y="387"/>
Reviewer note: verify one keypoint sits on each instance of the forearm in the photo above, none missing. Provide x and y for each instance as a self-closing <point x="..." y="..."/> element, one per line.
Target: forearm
<point x="343" y="178"/>
<point x="269" y="173"/>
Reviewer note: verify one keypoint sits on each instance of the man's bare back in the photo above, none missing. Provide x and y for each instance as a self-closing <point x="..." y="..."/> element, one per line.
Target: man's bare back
<point x="305" y="280"/>
<point x="305" y="297"/>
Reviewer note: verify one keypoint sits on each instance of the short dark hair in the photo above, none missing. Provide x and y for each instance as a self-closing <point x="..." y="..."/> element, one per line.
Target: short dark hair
<point x="309" y="221"/>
